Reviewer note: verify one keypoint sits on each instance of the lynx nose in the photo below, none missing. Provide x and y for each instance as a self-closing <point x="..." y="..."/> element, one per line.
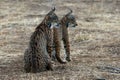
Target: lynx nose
<point x="76" y="24"/>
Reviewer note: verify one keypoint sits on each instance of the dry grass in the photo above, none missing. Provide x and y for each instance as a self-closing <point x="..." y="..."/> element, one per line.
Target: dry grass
<point x="95" y="49"/>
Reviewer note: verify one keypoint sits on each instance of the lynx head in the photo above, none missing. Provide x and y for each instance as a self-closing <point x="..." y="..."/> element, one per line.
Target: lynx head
<point x="70" y="19"/>
<point x="51" y="19"/>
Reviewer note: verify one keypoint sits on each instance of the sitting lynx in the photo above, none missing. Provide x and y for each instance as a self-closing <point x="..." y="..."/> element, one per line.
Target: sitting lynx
<point x="37" y="57"/>
<point x="61" y="33"/>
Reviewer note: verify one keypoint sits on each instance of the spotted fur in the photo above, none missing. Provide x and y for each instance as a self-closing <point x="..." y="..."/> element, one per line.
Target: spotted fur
<point x="62" y="34"/>
<point x="37" y="55"/>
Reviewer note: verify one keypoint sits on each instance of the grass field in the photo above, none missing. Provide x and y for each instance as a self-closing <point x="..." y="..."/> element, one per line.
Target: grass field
<point x="95" y="42"/>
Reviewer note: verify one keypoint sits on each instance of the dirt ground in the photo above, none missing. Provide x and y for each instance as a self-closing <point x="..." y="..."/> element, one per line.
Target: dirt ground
<point x="95" y="42"/>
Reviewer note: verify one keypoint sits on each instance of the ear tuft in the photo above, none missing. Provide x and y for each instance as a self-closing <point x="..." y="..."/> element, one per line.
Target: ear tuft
<point x="53" y="9"/>
<point x="69" y="12"/>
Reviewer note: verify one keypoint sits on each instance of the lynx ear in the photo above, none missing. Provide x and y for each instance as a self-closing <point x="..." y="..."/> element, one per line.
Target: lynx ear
<point x="69" y="12"/>
<point x="52" y="10"/>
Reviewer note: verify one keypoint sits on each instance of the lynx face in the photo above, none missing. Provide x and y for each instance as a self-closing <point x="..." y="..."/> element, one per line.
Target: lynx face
<point x="52" y="20"/>
<point x="71" y="21"/>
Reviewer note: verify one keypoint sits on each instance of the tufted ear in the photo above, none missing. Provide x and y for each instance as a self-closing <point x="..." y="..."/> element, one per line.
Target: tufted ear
<point x="52" y="10"/>
<point x="69" y="12"/>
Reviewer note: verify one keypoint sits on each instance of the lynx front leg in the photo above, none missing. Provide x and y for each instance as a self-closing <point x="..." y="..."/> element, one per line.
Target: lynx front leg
<point x="49" y="50"/>
<point x="50" y="65"/>
<point x="67" y="47"/>
<point x="57" y="45"/>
